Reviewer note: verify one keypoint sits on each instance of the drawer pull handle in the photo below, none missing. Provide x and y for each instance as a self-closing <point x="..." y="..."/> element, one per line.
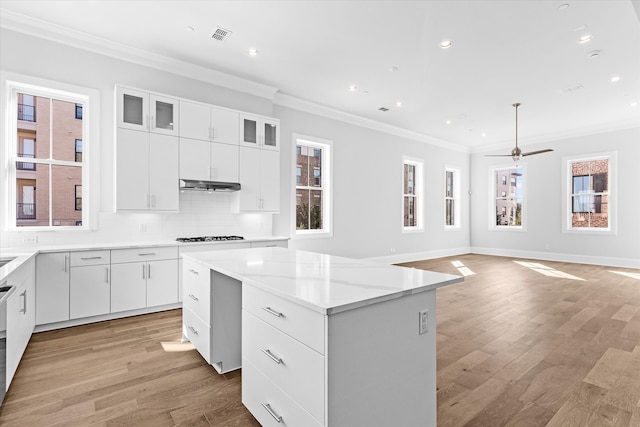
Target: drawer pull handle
<point x="147" y="254"/>
<point x="193" y="297"/>
<point x="90" y="257"/>
<point x="271" y="412"/>
<point x="192" y="329"/>
<point x="193" y="271"/>
<point x="271" y="311"/>
<point x="272" y="357"/>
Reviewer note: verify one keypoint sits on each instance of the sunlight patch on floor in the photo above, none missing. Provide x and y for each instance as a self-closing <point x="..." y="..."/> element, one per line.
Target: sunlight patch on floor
<point x="177" y="346"/>
<point x="626" y="273"/>
<point x="547" y="271"/>
<point x="462" y="269"/>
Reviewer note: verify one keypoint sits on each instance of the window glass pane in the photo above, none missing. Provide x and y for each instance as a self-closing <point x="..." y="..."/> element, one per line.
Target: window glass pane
<point x="302" y="209"/>
<point x="65" y="130"/>
<point x="31" y="195"/>
<point x="409" y="178"/>
<point x="410" y="218"/>
<point x="315" y="210"/>
<point x="132" y="109"/>
<point x="310" y="196"/>
<point x="164" y="115"/>
<point x="590" y="187"/>
<point x="449" y="184"/>
<point x="449" y="216"/>
<point x="78" y="150"/>
<point x="63" y="204"/>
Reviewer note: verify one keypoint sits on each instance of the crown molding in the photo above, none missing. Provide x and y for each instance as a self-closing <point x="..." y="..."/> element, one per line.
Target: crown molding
<point x="307" y="106"/>
<point x="46" y="30"/>
<point x="556" y="136"/>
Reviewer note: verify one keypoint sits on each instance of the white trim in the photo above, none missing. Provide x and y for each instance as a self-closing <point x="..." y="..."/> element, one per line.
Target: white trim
<point x="612" y="157"/>
<point x="559" y="257"/>
<point x="492" y="197"/>
<point x="327" y="186"/>
<point x="419" y="256"/>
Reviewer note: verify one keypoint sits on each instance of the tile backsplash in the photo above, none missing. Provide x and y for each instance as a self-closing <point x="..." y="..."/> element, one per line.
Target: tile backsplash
<point x="200" y="214"/>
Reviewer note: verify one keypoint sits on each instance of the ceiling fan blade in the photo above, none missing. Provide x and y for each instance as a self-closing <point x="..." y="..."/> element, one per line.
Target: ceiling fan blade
<point x="497" y="155"/>
<point x="530" y="153"/>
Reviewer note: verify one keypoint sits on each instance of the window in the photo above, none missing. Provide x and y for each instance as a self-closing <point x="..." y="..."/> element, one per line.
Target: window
<point x="78" y="150"/>
<point x="313" y="197"/>
<point x="508" y="198"/>
<point x="78" y="198"/>
<point x="589" y="195"/>
<point x="412" y="194"/>
<point x="451" y="198"/>
<point x="47" y="146"/>
<point x="79" y="111"/>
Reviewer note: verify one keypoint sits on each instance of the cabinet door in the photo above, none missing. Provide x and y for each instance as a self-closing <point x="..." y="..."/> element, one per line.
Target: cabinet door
<point x="128" y="286"/>
<point x="249" y="130"/>
<point x="270" y="134"/>
<point x="224" y="125"/>
<point x="132" y="170"/>
<point x="164" y="115"/>
<point x="249" y="174"/>
<point x="224" y="162"/>
<point x="163" y="172"/>
<point x="162" y="282"/>
<point x="52" y="288"/>
<point x="18" y="334"/>
<point x="270" y="180"/>
<point x="195" y="162"/>
<point x="89" y="291"/>
<point x="195" y="121"/>
<point x="133" y="109"/>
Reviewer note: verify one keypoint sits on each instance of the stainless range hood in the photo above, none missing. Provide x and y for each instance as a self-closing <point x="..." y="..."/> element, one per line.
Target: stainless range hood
<point x="195" y="185"/>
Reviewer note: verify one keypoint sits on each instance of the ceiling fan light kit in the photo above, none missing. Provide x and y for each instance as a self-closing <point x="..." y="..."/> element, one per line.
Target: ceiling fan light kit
<point x="517" y="153"/>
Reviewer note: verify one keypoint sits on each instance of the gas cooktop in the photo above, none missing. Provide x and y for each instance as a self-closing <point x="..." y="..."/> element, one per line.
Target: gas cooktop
<point x="208" y="238"/>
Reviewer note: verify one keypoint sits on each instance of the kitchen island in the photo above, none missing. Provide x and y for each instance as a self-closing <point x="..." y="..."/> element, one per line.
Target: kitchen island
<point x="322" y="340"/>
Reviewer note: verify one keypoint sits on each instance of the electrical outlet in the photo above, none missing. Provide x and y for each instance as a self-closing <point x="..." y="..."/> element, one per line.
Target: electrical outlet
<point x="392" y="250"/>
<point x="30" y="239"/>
<point x="423" y="322"/>
<point x="143" y="228"/>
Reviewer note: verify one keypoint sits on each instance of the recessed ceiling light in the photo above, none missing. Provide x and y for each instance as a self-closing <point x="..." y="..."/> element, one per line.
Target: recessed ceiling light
<point x="585" y="39"/>
<point x="446" y="44"/>
<point x="633" y="104"/>
<point x="615" y="79"/>
<point x="252" y="52"/>
<point x="399" y="104"/>
<point x="352" y="88"/>
<point x="448" y="122"/>
<point x="484" y="134"/>
<point x="564" y="6"/>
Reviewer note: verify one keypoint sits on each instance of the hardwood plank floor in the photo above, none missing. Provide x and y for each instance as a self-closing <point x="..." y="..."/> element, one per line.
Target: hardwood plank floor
<point x="522" y="343"/>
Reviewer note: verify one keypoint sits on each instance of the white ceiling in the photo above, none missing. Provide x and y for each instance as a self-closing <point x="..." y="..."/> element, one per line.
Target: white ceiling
<point x="503" y="52"/>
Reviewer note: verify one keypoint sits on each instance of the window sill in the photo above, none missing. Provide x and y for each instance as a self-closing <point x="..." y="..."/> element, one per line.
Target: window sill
<point x="312" y="235"/>
<point x="412" y="230"/>
<point x="508" y="228"/>
<point x="452" y="228"/>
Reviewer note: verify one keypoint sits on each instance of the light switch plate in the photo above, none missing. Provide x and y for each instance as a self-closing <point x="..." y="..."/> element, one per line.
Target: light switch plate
<point x="423" y="322"/>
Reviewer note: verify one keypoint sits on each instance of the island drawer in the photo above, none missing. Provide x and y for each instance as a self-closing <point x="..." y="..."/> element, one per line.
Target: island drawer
<point x="291" y="365"/>
<point x="268" y="402"/>
<point x="197" y="291"/>
<point x="143" y="254"/>
<point x="198" y="333"/>
<point x="101" y="257"/>
<point x="301" y="323"/>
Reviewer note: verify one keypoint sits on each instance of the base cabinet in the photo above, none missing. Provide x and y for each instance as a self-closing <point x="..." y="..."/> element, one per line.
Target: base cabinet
<point x="89" y="291"/>
<point x="52" y="287"/>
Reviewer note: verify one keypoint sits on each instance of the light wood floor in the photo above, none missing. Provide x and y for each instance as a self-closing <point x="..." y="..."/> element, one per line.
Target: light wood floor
<point x="515" y="348"/>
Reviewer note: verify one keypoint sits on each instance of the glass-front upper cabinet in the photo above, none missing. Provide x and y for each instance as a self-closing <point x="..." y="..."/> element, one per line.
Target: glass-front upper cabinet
<point x="259" y="131"/>
<point x="143" y="111"/>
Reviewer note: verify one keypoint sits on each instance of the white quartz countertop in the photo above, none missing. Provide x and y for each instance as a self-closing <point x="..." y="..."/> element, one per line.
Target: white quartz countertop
<point x="324" y="283"/>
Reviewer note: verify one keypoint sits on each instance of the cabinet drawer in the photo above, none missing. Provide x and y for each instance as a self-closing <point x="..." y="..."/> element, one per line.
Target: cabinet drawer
<point x="196" y="289"/>
<point x="270" y="244"/>
<point x="143" y="254"/>
<point x="289" y="364"/>
<point x="198" y="333"/>
<point x="258" y="390"/>
<point x="100" y="257"/>
<point x="303" y="324"/>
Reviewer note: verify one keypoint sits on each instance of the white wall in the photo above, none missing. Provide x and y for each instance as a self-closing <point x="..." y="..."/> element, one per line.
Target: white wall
<point x="545" y="204"/>
<point x="367" y="187"/>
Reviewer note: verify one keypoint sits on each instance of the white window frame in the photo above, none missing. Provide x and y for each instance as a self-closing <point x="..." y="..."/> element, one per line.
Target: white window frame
<point x="419" y="194"/>
<point x="326" y="178"/>
<point x="612" y="157"/>
<point x="12" y="84"/>
<point x="493" y="173"/>
<point x="457" y="221"/>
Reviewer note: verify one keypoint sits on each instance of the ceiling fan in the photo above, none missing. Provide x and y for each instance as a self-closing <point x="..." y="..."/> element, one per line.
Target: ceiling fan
<point x="516" y="153"/>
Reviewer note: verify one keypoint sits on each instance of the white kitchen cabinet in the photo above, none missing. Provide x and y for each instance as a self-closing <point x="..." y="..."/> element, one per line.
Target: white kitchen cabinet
<point x="146" y="171"/>
<point x="208" y="161"/>
<point x="143" y="277"/>
<point x="52" y="287"/>
<point x="21" y="315"/>
<point x="260" y="180"/>
<point x="208" y="123"/>
<point x="148" y="112"/>
<point x="259" y="131"/>
<point x="89" y="284"/>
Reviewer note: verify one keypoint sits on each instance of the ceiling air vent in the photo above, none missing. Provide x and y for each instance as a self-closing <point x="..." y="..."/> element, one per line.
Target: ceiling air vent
<point x="572" y="89"/>
<point x="220" y="34"/>
<point x="383" y="109"/>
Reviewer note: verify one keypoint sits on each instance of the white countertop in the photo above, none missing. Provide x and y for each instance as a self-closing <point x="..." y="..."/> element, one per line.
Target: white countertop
<point x="324" y="283"/>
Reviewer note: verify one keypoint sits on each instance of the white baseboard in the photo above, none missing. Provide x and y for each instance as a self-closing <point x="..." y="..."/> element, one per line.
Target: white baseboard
<point x="418" y="256"/>
<point x="559" y="257"/>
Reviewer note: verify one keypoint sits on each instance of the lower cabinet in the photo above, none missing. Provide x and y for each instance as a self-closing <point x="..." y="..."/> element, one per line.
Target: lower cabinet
<point x="89" y="291"/>
<point x="21" y="315"/>
<point x="52" y="287"/>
